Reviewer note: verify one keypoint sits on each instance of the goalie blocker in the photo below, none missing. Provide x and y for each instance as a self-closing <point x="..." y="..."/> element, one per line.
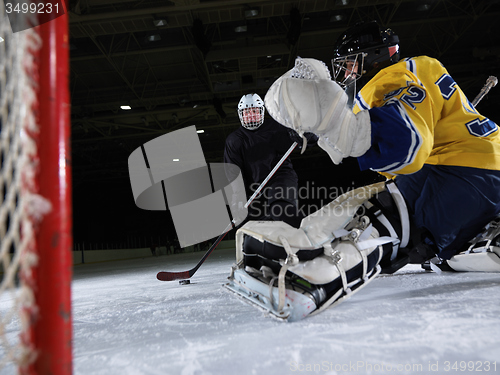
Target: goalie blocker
<point x="293" y="273"/>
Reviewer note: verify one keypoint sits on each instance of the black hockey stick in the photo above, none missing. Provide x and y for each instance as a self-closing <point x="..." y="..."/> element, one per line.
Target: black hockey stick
<point x="182" y="275"/>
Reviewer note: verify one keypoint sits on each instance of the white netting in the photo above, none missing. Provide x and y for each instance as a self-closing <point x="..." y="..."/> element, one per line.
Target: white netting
<point x="18" y="132"/>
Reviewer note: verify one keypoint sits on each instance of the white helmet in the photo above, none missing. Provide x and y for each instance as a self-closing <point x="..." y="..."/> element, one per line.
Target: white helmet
<point x="251" y="101"/>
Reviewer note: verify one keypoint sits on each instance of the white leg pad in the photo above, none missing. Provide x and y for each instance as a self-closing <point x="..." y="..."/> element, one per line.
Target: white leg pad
<point x="352" y="250"/>
<point x="320" y="227"/>
<point x="484" y="253"/>
<point x="488" y="261"/>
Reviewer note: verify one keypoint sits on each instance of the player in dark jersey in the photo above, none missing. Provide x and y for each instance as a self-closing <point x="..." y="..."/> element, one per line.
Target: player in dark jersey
<point x="256" y="147"/>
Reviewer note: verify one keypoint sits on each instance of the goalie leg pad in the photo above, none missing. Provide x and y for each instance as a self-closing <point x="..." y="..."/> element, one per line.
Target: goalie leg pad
<point x="483" y="253"/>
<point x="477" y="262"/>
<point x="335" y="257"/>
<point x="293" y="290"/>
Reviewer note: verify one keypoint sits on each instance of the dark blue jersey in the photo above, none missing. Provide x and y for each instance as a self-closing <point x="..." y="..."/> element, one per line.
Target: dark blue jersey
<point x="256" y="153"/>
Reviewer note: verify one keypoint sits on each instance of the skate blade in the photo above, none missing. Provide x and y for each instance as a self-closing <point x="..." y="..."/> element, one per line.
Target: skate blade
<point x="297" y="305"/>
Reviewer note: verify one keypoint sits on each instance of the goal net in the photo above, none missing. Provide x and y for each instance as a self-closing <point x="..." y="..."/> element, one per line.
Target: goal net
<point x="35" y="207"/>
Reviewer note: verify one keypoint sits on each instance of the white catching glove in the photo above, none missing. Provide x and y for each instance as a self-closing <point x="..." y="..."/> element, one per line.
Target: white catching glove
<point x="305" y="99"/>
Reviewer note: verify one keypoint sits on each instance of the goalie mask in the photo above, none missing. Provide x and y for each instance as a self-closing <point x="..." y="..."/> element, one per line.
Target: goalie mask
<point x="363" y="50"/>
<point x="251" y="111"/>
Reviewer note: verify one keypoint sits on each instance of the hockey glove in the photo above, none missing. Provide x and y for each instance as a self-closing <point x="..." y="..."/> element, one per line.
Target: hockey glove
<point x="307" y="100"/>
<point x="311" y="139"/>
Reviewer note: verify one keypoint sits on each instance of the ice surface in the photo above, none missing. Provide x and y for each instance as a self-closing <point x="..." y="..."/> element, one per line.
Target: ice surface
<point x="414" y="322"/>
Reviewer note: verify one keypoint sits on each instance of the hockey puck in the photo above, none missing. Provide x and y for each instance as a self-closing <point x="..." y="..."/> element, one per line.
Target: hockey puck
<point x="184" y="282"/>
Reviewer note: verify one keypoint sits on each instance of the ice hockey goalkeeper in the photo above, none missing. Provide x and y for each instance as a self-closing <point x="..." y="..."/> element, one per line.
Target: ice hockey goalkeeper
<point x="410" y="122"/>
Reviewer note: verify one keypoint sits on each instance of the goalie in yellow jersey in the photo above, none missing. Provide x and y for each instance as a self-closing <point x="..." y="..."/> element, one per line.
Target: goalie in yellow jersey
<point x="411" y="122"/>
<point x="442" y="153"/>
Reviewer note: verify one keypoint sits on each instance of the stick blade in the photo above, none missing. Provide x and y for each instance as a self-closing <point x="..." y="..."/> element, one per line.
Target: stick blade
<point x="170" y="276"/>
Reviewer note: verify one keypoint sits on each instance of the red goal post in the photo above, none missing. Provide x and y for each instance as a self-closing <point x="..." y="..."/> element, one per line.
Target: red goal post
<point x="35" y="198"/>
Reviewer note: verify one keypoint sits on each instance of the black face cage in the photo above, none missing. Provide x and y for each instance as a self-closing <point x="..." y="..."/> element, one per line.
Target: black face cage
<point x="343" y="74"/>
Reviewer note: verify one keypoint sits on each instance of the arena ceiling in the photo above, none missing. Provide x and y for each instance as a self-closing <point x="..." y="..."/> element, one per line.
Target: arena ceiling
<point x="188" y="62"/>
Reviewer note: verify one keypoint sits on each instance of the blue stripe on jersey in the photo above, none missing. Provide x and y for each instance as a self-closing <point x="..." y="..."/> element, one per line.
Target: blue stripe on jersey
<point x="411" y="66"/>
<point x="361" y="102"/>
<point x="395" y="139"/>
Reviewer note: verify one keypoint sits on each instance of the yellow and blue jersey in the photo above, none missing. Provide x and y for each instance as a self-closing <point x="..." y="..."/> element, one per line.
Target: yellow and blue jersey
<point x="420" y="116"/>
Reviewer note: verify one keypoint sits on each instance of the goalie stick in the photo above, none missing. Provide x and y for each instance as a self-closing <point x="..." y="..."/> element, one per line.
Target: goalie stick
<point x="170" y="276"/>
<point x="490" y="82"/>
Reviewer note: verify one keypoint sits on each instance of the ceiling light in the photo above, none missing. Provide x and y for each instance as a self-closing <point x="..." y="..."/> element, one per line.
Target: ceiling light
<point x="423" y="7"/>
<point x="1" y="39"/>
<point x="251" y="13"/>
<point x="153" y="38"/>
<point x="175" y="159"/>
<point x="336" y="18"/>
<point x="160" y="22"/>
<point x="200" y="131"/>
<point x="125" y="107"/>
<point x="342" y="2"/>
<point x="240" y="29"/>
